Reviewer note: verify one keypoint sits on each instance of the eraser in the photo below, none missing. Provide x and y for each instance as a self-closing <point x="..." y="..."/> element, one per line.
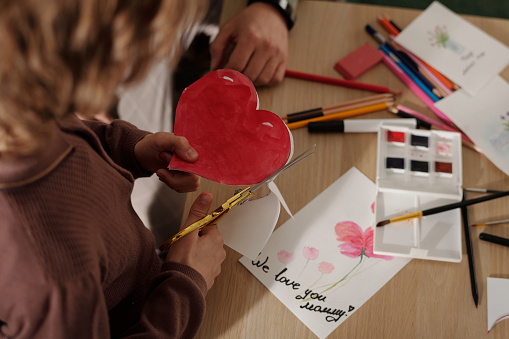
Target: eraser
<point x="358" y="62"/>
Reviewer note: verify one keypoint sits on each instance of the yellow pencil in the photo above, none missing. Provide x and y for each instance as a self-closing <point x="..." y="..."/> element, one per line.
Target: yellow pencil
<point x="341" y="115"/>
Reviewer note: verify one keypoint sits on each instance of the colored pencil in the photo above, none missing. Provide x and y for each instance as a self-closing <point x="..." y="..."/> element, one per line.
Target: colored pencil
<point x="426" y="69"/>
<point x="413" y="87"/>
<point x="387" y="25"/>
<point x="443" y="208"/>
<point x="470" y="253"/>
<point x="495" y="222"/>
<point x="448" y="83"/>
<point x="404" y="62"/>
<point x="438" y="88"/>
<point x="494" y="239"/>
<point x="395" y="30"/>
<point x="421" y="116"/>
<point x="340" y="82"/>
<point x="440" y="125"/>
<point x="347" y="105"/>
<point x="442" y="79"/>
<point x="409" y="73"/>
<point x="340" y="115"/>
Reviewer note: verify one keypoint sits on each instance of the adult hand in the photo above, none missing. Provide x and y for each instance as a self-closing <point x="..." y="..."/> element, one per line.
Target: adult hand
<point x="202" y="250"/>
<point x="154" y="153"/>
<point x="260" y="35"/>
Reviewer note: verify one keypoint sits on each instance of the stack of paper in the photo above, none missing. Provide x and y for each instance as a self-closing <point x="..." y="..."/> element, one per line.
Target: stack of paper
<point x="473" y="60"/>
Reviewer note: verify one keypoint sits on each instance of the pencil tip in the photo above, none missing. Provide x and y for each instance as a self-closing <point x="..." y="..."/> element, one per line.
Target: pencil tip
<point x="383" y="223"/>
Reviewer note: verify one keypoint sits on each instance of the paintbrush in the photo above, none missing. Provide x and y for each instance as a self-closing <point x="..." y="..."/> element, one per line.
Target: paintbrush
<point x="494" y="222"/>
<point x="443" y="208"/>
<point x="481" y="190"/>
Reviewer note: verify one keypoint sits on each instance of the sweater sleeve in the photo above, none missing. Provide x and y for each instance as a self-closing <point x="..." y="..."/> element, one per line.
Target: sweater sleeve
<point x="175" y="306"/>
<point x="118" y="140"/>
<point x="75" y="308"/>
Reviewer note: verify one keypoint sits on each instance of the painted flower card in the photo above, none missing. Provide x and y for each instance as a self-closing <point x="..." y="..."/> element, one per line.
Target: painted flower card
<point x="484" y="118"/>
<point x="455" y="47"/>
<point x="498" y="301"/>
<point x="321" y="264"/>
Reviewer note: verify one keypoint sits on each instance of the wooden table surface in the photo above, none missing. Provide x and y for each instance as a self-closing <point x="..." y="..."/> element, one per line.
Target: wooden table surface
<point x="426" y="299"/>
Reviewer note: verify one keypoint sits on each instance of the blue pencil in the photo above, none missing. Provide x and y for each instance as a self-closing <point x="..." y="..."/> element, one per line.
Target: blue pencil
<point x="409" y="73"/>
<point x="404" y="60"/>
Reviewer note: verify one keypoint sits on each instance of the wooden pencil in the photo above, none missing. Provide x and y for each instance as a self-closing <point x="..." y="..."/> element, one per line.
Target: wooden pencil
<point x="347" y="105"/>
<point x="340" y="115"/>
<point x="387" y="25"/>
<point x="392" y="29"/>
<point x="339" y="82"/>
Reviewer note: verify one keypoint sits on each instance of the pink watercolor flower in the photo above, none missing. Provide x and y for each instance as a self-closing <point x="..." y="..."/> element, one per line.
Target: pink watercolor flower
<point x="285" y="257"/>
<point x="310" y="253"/>
<point x="373" y="207"/>
<point x="325" y="267"/>
<point x="356" y="242"/>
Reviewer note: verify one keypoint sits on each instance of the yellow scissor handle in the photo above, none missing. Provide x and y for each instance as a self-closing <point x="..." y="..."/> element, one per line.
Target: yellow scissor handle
<point x="208" y="219"/>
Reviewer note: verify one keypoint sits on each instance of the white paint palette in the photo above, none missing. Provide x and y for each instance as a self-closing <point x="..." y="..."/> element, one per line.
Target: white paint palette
<point x="417" y="170"/>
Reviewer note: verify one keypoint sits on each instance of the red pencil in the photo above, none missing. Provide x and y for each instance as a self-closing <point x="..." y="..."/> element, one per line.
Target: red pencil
<point x="340" y="82"/>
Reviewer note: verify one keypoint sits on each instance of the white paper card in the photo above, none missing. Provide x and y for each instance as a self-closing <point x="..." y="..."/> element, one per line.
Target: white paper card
<point x="455" y="47"/>
<point x="498" y="301"/>
<point x="484" y="118"/>
<point x="321" y="265"/>
<point x="246" y="228"/>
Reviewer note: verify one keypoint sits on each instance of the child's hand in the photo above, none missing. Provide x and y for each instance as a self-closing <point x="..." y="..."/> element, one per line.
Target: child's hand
<point x="202" y="250"/>
<point x="154" y="153"/>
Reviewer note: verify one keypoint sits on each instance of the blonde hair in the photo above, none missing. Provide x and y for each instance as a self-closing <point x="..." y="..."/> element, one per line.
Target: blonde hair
<point x="61" y="56"/>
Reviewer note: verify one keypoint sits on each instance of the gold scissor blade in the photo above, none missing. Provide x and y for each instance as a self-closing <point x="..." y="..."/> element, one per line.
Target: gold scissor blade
<point x="307" y="153"/>
<point x="209" y="218"/>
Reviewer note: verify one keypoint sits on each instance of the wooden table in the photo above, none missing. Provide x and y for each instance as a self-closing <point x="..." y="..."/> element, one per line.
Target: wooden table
<point x="426" y="299"/>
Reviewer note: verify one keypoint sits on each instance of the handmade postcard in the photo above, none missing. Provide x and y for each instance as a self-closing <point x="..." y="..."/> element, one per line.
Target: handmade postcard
<point x="498" y="301"/>
<point x="484" y="118"/>
<point x="237" y="143"/>
<point x="455" y="47"/>
<point x="321" y="264"/>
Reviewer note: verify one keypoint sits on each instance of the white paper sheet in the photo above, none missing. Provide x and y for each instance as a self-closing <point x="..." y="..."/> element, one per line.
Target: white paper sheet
<point x="484" y="118"/>
<point x="247" y="227"/>
<point x="455" y="47"/>
<point x="498" y="301"/>
<point x="321" y="265"/>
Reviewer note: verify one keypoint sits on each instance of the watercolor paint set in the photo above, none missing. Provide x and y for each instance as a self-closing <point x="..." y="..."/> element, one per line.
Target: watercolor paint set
<point x="417" y="170"/>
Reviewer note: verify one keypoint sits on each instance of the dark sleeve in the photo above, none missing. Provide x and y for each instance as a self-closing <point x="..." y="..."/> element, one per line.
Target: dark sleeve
<point x="40" y="308"/>
<point x="175" y="306"/>
<point x="118" y="140"/>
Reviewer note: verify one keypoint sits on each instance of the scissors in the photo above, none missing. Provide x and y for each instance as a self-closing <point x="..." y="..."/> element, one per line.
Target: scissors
<point x="238" y="199"/>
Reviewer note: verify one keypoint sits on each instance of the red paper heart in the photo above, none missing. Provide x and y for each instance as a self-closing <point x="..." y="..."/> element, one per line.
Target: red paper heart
<point x="236" y="143"/>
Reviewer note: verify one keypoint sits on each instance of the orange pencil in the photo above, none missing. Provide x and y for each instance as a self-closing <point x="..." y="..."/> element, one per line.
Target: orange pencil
<point x="448" y="83"/>
<point x="344" y="106"/>
<point x="386" y="24"/>
<point x="341" y="115"/>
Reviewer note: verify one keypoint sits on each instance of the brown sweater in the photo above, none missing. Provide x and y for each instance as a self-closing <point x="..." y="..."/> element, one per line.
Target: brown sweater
<point x="75" y="259"/>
